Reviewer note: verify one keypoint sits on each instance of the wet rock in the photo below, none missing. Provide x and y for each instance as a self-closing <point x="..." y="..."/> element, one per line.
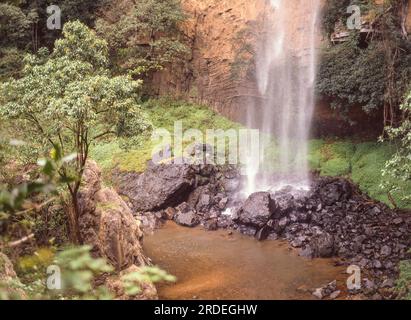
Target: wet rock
<point x="327" y="291"/>
<point x="369" y="286"/>
<point x="231" y="185"/>
<point x="257" y="210"/>
<point x="284" y="203"/>
<point x="377" y="264"/>
<point x="388" y="283"/>
<point x="222" y="204"/>
<point x="318" y="293"/>
<point x="204" y="203"/>
<point x="200" y="153"/>
<point x="386" y="251"/>
<point x="169" y="213"/>
<point x="160" y="187"/>
<point x="150" y="221"/>
<point x="307" y="252"/>
<point x="186" y="215"/>
<point x="335" y="295"/>
<point x="211" y="225"/>
<point x="334" y="191"/>
<point x="398" y="221"/>
<point x="263" y="233"/>
<point x="107" y="223"/>
<point x="322" y="245"/>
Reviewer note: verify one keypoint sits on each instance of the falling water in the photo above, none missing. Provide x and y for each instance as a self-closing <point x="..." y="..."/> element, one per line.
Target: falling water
<point x="285" y="72"/>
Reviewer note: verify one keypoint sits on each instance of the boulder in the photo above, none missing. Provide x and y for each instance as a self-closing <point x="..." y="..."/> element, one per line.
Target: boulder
<point x="334" y="190"/>
<point x="186" y="215"/>
<point x="256" y="211"/>
<point x="10" y="285"/>
<point x="285" y="203"/>
<point x="263" y="233"/>
<point x="211" y="225"/>
<point x="107" y="224"/>
<point x="150" y="221"/>
<point x="322" y="245"/>
<point x="160" y="187"/>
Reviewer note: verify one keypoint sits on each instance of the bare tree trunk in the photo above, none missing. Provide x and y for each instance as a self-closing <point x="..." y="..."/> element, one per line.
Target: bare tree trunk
<point x="73" y="211"/>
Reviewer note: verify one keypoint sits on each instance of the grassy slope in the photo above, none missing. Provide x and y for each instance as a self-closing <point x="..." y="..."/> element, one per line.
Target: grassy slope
<point x="362" y="162"/>
<point x="163" y="113"/>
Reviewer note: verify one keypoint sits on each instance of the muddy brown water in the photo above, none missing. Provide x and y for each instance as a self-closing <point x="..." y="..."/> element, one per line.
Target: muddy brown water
<point x="216" y="265"/>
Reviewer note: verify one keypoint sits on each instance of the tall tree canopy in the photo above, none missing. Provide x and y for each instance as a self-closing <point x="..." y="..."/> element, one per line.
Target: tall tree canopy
<point x="143" y="35"/>
<point x="68" y="99"/>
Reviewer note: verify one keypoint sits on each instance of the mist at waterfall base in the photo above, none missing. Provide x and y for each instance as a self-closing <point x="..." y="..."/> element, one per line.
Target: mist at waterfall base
<point x="286" y="65"/>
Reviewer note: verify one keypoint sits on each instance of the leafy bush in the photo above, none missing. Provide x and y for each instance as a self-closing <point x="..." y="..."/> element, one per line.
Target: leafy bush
<point x="397" y="170"/>
<point x="366" y="71"/>
<point x="353" y="76"/>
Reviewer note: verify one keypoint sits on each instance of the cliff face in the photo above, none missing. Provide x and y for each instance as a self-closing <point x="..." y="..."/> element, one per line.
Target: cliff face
<point x="211" y="32"/>
<point x="215" y="31"/>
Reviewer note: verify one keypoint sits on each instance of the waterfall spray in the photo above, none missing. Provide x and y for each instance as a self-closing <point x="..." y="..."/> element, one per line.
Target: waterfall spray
<point x="285" y="72"/>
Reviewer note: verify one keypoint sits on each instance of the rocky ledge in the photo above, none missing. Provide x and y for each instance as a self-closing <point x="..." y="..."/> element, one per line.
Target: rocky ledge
<point x="333" y="219"/>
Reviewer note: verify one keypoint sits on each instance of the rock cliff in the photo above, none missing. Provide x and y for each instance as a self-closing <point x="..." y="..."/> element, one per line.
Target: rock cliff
<point x="217" y="31"/>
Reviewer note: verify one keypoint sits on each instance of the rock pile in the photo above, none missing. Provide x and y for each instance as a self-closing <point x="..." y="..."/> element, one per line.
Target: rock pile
<point x="334" y="219"/>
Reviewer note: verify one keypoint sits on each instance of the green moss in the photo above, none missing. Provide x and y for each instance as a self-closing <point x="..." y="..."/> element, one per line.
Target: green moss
<point x="368" y="161"/>
<point x="335" y="158"/>
<point x="163" y="113"/>
<point x="314" y="154"/>
<point x="404" y="280"/>
<point x="336" y="167"/>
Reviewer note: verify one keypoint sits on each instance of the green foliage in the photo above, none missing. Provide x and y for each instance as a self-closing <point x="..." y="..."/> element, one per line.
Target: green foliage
<point x="79" y="273"/>
<point x="353" y="76"/>
<point x="14" y="26"/>
<point x="162" y="114"/>
<point x="243" y="65"/>
<point x="78" y="270"/>
<point x="404" y="280"/>
<point x="336" y="167"/>
<point x="367" y="163"/>
<point x="30" y="268"/>
<point x="335" y="11"/>
<point x="370" y="72"/>
<point x="132" y="281"/>
<point x="362" y="162"/>
<point x="16" y="205"/>
<point x="69" y="100"/>
<point x="11" y="63"/>
<point x="145" y="36"/>
<point x="80" y="43"/>
<point x="397" y="170"/>
<point x="85" y="11"/>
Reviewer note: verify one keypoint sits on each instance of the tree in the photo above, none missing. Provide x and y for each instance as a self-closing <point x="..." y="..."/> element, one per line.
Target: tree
<point x="69" y="100"/>
<point x="143" y="36"/>
<point x="14" y="26"/>
<point x="397" y="171"/>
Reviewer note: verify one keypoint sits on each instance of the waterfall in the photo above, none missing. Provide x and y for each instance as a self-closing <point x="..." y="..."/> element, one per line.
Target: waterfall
<point x="285" y="74"/>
